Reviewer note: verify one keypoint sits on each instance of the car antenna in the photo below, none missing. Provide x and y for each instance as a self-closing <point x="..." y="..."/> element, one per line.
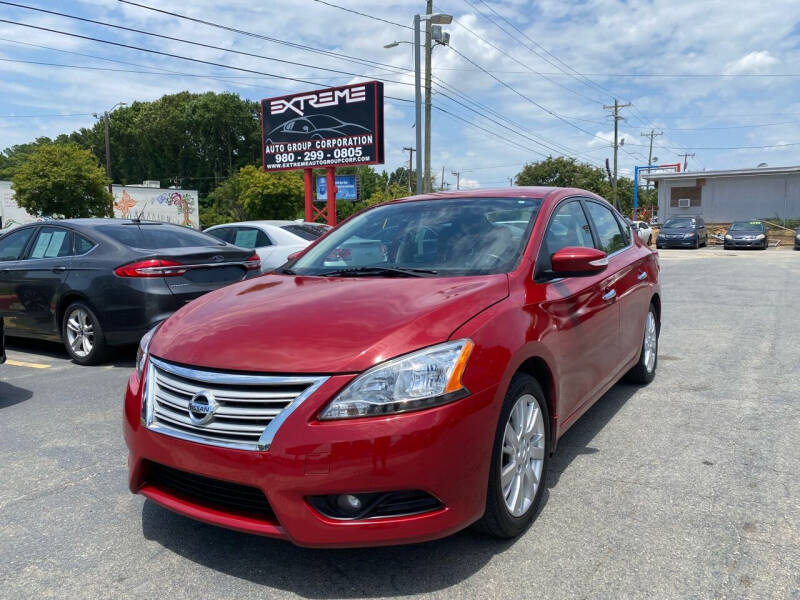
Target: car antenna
<point x="138" y="218"/>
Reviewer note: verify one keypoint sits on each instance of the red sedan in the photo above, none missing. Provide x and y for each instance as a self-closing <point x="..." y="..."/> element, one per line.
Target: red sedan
<point x="406" y="376"/>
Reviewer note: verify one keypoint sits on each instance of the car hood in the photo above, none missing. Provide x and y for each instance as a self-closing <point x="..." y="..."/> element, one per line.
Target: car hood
<point x="283" y="324"/>
<point x="681" y="230"/>
<point x="741" y="234"/>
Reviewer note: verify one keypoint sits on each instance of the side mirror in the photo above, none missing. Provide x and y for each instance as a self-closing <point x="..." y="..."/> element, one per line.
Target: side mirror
<point x="574" y="261"/>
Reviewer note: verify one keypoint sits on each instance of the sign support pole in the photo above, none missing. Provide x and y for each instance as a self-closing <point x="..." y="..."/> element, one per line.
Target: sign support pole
<point x="330" y="175"/>
<point x="309" y="204"/>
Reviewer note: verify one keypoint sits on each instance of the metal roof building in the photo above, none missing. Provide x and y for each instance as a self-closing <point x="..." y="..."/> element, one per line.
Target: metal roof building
<point x="771" y="193"/>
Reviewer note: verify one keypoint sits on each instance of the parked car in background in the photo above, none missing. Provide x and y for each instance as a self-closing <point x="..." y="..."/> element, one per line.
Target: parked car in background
<point x="797" y="239"/>
<point x="273" y="241"/>
<point x="644" y="231"/>
<point x="747" y="234"/>
<point x="406" y="388"/>
<point x="682" y="232"/>
<point x="95" y="283"/>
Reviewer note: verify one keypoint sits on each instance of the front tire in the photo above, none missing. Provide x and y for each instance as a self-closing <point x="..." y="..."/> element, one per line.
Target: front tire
<point x="645" y="370"/>
<point x="82" y="334"/>
<point x="519" y="460"/>
<point x="650" y="241"/>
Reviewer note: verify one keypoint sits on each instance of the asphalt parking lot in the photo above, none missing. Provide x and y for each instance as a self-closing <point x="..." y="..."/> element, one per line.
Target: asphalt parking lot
<point x="686" y="488"/>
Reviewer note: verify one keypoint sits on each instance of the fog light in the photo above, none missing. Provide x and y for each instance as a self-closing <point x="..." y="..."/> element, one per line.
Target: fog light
<point x="349" y="503"/>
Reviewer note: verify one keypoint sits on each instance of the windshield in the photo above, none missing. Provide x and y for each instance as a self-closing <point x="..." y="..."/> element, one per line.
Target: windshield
<point x="459" y="236"/>
<point x="748" y="226"/>
<point x="679" y="224"/>
<point x="151" y="237"/>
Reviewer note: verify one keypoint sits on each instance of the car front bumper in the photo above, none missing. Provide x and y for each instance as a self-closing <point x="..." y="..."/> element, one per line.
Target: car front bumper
<point x="444" y="451"/>
<point x="731" y="244"/>
<point x="678" y="243"/>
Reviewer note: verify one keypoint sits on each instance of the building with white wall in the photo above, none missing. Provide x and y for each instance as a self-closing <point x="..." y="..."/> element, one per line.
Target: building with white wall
<point x="771" y="193"/>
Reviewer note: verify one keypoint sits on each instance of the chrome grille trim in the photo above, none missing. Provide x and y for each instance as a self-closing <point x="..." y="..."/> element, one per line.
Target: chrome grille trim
<point x="245" y="419"/>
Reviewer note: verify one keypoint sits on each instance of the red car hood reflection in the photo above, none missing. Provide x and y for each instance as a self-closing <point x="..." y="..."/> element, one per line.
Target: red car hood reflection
<point x="280" y="324"/>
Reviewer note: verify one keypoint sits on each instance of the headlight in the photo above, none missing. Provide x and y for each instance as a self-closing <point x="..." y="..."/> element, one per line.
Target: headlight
<point x="760" y="236"/>
<point x="689" y="235"/>
<point x="426" y="378"/>
<point x="144" y="344"/>
<point x="729" y="237"/>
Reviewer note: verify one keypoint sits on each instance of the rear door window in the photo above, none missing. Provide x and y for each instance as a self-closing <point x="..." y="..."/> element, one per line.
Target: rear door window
<point x="51" y="242"/>
<point x="610" y="236"/>
<point x="14" y="243"/>
<point x="82" y="244"/>
<point x="250" y="238"/>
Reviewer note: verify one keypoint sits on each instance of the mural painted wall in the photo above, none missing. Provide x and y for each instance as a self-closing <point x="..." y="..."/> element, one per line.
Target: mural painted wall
<point x="155" y="204"/>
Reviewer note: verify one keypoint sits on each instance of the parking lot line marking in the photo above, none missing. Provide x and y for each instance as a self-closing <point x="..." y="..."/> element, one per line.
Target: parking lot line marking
<point x="22" y="363"/>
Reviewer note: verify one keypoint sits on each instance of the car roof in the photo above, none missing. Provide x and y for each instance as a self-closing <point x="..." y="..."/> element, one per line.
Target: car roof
<point x="520" y="191"/>
<point x="276" y="223"/>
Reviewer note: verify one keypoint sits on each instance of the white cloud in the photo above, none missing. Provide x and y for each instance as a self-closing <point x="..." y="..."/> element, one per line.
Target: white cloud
<point x="754" y="62"/>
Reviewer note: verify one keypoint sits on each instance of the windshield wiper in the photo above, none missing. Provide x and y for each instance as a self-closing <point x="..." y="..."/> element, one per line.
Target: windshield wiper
<point x="378" y="271"/>
<point x="284" y="271"/>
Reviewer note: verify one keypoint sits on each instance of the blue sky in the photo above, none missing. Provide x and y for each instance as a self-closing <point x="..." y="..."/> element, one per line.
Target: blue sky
<point x="732" y="71"/>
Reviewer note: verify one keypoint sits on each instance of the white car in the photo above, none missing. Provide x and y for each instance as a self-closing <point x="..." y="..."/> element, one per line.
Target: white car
<point x="273" y="241"/>
<point x="644" y="231"/>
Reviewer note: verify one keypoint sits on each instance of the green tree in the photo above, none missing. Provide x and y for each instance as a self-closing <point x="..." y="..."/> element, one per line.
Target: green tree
<point x="62" y="180"/>
<point x="253" y="194"/>
<point x="568" y="172"/>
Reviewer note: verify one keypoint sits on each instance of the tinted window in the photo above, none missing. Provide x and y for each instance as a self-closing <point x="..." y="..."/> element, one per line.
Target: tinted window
<point x="607" y="228"/>
<point x="51" y="242"/>
<point x="13" y="244"/>
<point x="308" y="231"/>
<point x="157" y="236"/>
<point x="250" y="238"/>
<point x="82" y="245"/>
<point x="748" y="226"/>
<point x="223" y="233"/>
<point x="568" y="227"/>
<point x="458" y="236"/>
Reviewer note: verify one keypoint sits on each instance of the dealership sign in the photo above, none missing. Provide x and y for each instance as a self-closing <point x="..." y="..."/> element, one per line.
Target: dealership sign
<point x="334" y="127"/>
<point x="346" y="188"/>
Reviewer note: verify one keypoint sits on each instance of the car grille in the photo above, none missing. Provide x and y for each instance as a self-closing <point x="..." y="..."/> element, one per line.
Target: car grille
<point x="220" y="408"/>
<point x="212" y="493"/>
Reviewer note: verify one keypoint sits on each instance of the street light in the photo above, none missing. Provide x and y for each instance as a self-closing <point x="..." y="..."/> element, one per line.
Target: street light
<point x="435" y="19"/>
<point x="108" y="144"/>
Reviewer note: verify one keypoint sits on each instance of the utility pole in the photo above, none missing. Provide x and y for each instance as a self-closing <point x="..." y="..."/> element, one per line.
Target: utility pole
<point x="108" y="152"/>
<point x="510" y="182"/>
<point x="615" y="108"/>
<point x="653" y="133"/>
<point x="428" y="50"/>
<point x="441" y="185"/>
<point x="410" y="163"/>
<point x="458" y="179"/>
<point x="417" y="104"/>
<point x="686" y="160"/>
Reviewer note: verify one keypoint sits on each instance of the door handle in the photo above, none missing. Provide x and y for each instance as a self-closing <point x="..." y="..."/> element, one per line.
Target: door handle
<point x="59" y="269"/>
<point x="610" y="295"/>
<point x="642" y="276"/>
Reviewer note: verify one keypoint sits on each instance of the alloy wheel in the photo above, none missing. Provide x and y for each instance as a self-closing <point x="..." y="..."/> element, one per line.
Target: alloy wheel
<point x="80" y="333"/>
<point x="650" y="342"/>
<point x="522" y="457"/>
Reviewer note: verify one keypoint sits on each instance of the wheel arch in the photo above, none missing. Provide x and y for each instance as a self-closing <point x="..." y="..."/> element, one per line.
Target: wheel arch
<point x="537" y="367"/>
<point x="656" y="302"/>
<point x="63" y="304"/>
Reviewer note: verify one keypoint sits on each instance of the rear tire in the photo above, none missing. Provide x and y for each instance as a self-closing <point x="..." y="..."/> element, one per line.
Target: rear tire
<point x="82" y="335"/>
<point x="650" y="241"/>
<point x="523" y="458"/>
<point x="645" y="370"/>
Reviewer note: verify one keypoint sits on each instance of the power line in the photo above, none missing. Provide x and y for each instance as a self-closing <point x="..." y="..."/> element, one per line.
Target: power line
<point x="528" y="67"/>
<point x="441" y="83"/>
<point x="355" y="12"/>
<point x="45" y="115"/>
<point x="200" y="44"/>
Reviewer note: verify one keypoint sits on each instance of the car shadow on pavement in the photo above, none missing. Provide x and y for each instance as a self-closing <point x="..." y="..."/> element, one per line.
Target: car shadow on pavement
<point x="576" y="441"/>
<point x="119" y="356"/>
<point x="313" y="573"/>
<point x="11" y="394"/>
<point x="363" y="572"/>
